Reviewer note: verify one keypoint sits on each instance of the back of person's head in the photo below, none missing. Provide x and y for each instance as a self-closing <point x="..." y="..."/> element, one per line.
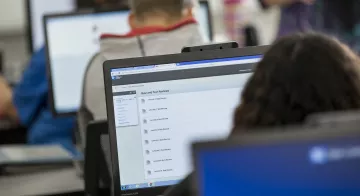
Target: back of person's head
<point x="169" y="10"/>
<point x="300" y="75"/>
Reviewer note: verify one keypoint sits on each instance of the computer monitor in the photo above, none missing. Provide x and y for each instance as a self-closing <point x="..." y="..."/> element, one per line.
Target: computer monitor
<point x="333" y="118"/>
<point x="35" y="10"/>
<point x="72" y="40"/>
<point x="157" y="106"/>
<point x="294" y="161"/>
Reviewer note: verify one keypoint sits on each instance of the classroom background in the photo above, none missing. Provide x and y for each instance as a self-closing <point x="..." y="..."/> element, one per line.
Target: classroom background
<point x="59" y="100"/>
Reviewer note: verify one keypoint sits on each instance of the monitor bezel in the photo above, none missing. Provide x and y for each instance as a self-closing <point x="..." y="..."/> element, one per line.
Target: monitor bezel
<point x="29" y="33"/>
<point x="153" y="60"/>
<point x="264" y="137"/>
<point x="51" y="95"/>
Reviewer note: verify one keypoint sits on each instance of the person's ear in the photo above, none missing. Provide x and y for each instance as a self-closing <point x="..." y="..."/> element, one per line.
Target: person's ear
<point x="133" y="23"/>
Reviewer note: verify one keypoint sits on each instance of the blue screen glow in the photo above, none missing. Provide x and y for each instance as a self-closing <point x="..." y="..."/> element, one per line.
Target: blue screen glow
<point x="330" y="168"/>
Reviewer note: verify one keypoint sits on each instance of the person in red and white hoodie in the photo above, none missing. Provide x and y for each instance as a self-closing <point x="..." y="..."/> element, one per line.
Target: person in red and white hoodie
<point x="158" y="27"/>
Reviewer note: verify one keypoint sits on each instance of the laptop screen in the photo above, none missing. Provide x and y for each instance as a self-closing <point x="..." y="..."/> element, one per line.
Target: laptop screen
<point x="37" y="9"/>
<point x="319" y="168"/>
<point x="74" y="48"/>
<point x="160" y="110"/>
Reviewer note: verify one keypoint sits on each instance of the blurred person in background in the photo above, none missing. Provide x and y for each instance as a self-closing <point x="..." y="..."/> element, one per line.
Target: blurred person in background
<point x="340" y="18"/>
<point x="295" y="14"/>
<point x="157" y="27"/>
<point x="233" y="22"/>
<point x="28" y="105"/>
<point x="301" y="75"/>
<point x="242" y="16"/>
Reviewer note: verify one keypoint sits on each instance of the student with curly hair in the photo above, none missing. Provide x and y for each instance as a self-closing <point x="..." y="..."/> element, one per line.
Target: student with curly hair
<point x="300" y="75"/>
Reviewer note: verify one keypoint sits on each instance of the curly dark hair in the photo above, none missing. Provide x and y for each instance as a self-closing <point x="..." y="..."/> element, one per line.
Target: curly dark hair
<point x="301" y="74"/>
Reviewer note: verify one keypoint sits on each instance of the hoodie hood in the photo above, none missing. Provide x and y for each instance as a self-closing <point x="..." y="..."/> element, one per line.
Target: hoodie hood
<point x="147" y="41"/>
<point x="151" y="40"/>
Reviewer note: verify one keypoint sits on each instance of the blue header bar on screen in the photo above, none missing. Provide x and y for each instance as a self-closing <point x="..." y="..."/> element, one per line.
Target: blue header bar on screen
<point x="219" y="60"/>
<point x="190" y="63"/>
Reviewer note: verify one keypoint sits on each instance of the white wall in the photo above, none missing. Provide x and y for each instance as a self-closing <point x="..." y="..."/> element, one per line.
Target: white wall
<point x="12" y="16"/>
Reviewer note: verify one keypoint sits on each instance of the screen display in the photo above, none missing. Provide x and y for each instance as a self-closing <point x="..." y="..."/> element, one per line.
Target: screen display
<point x="159" y="110"/>
<point x="323" y="168"/>
<point x="71" y="51"/>
<point x="73" y="41"/>
<point x="39" y="8"/>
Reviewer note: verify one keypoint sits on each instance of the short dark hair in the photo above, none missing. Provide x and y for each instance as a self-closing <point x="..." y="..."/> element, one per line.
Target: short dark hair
<point x="143" y="7"/>
<point x="301" y="74"/>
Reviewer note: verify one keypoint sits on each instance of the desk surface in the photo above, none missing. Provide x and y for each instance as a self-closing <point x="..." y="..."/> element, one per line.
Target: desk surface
<point x="44" y="181"/>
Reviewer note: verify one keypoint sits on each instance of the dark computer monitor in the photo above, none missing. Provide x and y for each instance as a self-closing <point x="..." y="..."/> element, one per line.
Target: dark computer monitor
<point x="97" y="159"/>
<point x="292" y="161"/>
<point x="333" y="118"/>
<point x="71" y="42"/>
<point x="35" y="10"/>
